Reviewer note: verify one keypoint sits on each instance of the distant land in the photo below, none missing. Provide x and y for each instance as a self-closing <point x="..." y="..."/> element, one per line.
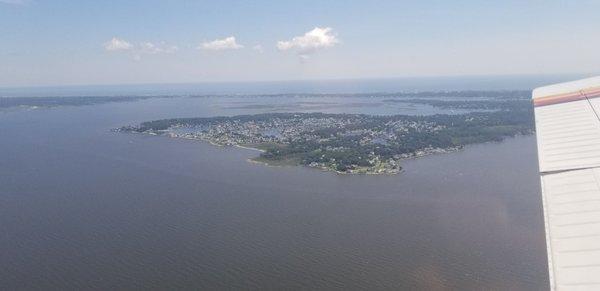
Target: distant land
<point x="47" y="102"/>
<point x="413" y="97"/>
<point x="382" y="85"/>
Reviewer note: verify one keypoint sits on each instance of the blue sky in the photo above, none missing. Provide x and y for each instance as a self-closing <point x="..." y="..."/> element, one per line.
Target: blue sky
<point x="47" y="43"/>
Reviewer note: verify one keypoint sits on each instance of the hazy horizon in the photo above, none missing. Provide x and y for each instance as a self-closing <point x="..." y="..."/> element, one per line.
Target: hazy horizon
<point x="146" y="42"/>
<point x="323" y="86"/>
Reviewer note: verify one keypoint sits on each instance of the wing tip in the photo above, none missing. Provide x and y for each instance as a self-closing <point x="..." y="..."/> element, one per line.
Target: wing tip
<point x="573" y="87"/>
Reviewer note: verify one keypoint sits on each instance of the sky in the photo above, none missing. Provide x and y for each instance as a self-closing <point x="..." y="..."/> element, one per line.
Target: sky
<point x="56" y="43"/>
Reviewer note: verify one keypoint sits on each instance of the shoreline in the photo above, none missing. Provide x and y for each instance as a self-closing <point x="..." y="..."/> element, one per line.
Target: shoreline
<point x="360" y="171"/>
<point x="249" y="148"/>
<point x="264" y="163"/>
<point x="322" y="169"/>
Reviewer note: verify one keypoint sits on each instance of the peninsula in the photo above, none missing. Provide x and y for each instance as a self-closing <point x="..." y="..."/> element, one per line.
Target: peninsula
<point x="346" y="143"/>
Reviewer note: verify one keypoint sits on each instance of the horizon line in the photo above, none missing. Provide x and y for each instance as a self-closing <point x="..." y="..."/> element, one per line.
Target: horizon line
<point x="575" y="75"/>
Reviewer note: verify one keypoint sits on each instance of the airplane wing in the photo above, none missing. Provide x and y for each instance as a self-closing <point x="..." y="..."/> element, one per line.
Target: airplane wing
<point x="568" y="138"/>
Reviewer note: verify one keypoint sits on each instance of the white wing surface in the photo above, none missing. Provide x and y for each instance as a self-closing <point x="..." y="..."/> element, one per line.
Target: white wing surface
<point x="568" y="138"/>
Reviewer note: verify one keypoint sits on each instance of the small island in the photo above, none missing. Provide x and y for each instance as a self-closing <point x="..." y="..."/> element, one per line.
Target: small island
<point x="347" y="143"/>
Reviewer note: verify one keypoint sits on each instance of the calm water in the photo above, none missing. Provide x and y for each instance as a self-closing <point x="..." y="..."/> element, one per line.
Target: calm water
<point x="85" y="208"/>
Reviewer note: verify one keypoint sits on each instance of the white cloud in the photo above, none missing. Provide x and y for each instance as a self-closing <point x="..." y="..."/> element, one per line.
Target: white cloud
<point x="258" y="48"/>
<point x="158" y="48"/>
<point x="116" y="44"/>
<point x="227" y="43"/>
<point x="310" y="42"/>
<point x="144" y="48"/>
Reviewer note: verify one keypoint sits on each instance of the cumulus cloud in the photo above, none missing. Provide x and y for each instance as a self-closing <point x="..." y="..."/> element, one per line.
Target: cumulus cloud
<point x="227" y="43"/>
<point x="117" y="44"/>
<point x="310" y="42"/>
